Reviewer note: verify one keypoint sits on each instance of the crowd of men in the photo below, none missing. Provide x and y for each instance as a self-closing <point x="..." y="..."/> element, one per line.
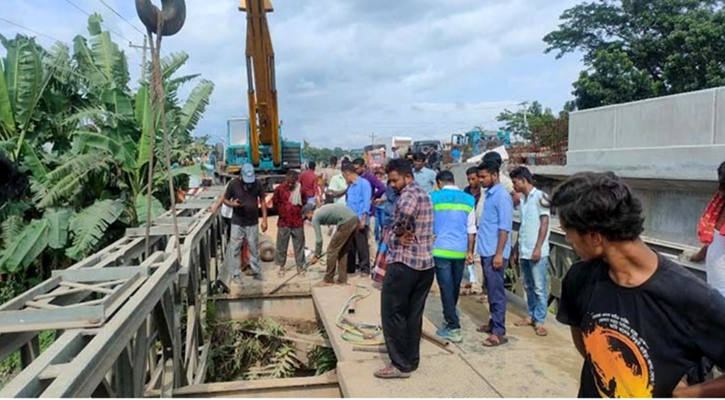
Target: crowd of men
<point x="623" y="301"/>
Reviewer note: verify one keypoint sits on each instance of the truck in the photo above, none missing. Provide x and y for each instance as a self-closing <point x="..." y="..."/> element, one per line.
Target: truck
<point x="374" y="156"/>
<point x="424" y="147"/>
<point x="258" y="139"/>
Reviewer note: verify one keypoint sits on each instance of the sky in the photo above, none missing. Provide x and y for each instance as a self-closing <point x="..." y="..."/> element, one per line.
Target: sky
<point x="349" y="69"/>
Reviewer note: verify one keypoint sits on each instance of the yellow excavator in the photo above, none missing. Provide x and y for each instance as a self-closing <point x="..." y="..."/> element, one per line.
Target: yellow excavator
<point x="265" y="149"/>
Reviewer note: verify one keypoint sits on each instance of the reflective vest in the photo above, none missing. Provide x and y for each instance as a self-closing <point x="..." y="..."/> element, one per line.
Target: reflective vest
<point x="451" y="207"/>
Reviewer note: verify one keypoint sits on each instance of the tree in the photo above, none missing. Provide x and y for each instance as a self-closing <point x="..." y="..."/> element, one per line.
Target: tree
<point x="542" y="127"/>
<point x="635" y="50"/>
<point x="92" y="183"/>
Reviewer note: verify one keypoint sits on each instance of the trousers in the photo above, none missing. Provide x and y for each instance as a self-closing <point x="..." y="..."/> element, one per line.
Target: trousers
<point x="402" y="303"/>
<point x="359" y="247"/>
<point x="230" y="268"/>
<point x="298" y="244"/>
<point x="494" y="281"/>
<point x="337" y="251"/>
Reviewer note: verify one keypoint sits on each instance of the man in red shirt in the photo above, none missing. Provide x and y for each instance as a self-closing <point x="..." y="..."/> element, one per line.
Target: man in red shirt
<point x="308" y="180"/>
<point x="288" y="200"/>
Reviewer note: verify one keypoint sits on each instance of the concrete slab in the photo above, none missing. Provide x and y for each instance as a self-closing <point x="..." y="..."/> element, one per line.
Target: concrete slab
<point x="541" y="366"/>
<point x="439" y="376"/>
<point x="330" y="300"/>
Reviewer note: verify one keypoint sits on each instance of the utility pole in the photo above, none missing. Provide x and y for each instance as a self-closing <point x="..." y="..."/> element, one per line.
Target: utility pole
<point x="143" y="56"/>
<point x="372" y="137"/>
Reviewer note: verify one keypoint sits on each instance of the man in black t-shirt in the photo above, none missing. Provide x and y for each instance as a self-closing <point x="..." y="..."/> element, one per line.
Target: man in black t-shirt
<point x="243" y="195"/>
<point x="640" y="321"/>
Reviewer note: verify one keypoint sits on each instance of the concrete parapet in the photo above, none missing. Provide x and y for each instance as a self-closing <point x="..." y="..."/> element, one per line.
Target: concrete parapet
<point x="684" y="131"/>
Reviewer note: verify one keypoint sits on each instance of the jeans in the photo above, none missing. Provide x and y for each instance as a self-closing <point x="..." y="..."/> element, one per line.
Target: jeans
<point x="402" y="301"/>
<point x="535" y="284"/>
<point x="298" y="244"/>
<point x="494" y="280"/>
<point x="380" y="221"/>
<point x="449" y="274"/>
<point x="234" y="247"/>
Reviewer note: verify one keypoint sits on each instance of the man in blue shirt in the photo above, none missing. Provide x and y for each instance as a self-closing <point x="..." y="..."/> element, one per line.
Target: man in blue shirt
<point x="456" y="155"/>
<point x="359" y="200"/>
<point x="424" y="177"/>
<point x="494" y="247"/>
<point x="454" y="228"/>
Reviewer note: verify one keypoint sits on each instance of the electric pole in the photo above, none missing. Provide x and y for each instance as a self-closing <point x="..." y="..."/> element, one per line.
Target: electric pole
<point x="143" y="56"/>
<point x="372" y="137"/>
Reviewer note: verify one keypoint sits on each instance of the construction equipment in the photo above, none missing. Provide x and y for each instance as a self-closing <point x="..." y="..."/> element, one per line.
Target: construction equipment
<point x="374" y="156"/>
<point x="263" y="145"/>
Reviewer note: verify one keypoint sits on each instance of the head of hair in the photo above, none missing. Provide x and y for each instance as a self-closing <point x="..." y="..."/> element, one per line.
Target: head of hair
<point x="347" y="167"/>
<point x="333" y="161"/>
<point x="721" y="175"/>
<point x="446" y="177"/>
<point x="492" y="167"/>
<point x="358" y="162"/>
<point x="492" y="156"/>
<point x="598" y="202"/>
<point x="401" y="167"/>
<point x="522" y="173"/>
<point x="345" y="159"/>
<point x="472" y="171"/>
<point x="311" y="165"/>
<point x="419" y="156"/>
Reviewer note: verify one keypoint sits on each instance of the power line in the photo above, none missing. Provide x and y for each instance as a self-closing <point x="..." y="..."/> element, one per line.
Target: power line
<point x="104" y="25"/>
<point x="31" y="30"/>
<point x="121" y="16"/>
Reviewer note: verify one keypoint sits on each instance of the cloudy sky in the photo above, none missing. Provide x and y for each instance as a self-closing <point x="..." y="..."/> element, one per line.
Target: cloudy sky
<point x="347" y="69"/>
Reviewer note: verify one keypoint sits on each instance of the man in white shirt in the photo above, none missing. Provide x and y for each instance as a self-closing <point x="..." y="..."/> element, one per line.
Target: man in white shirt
<point x="532" y="249"/>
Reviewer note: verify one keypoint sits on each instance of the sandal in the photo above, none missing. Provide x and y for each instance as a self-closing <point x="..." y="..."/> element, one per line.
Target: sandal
<point x="281" y="273"/>
<point x="540" y="330"/>
<point x="485" y="328"/>
<point x="391" y="373"/>
<point x="524" y="322"/>
<point x="495" y="341"/>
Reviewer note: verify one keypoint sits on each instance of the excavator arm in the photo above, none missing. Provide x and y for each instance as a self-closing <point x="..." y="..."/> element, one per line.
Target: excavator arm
<point x="261" y="82"/>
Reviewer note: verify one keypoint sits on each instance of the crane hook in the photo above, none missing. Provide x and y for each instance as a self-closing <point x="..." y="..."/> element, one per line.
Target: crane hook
<point x="174" y="14"/>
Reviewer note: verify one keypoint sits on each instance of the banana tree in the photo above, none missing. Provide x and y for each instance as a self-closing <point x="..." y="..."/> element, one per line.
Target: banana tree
<point x="100" y="180"/>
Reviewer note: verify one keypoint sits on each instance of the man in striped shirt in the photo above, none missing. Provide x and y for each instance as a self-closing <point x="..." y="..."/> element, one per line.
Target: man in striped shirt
<point x="409" y="274"/>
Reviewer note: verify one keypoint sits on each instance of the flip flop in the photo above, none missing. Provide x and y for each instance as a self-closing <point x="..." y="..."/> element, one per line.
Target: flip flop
<point x="485" y="328"/>
<point x="490" y="342"/>
<point x="391" y="373"/>
<point x="281" y="273"/>
<point x="540" y="330"/>
<point x="524" y="322"/>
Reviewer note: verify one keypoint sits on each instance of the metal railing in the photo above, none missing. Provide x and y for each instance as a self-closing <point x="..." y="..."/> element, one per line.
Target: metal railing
<point x="124" y="322"/>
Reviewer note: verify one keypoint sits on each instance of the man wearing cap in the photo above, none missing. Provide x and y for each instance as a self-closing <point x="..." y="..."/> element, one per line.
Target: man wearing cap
<point x="347" y="224"/>
<point x="242" y="195"/>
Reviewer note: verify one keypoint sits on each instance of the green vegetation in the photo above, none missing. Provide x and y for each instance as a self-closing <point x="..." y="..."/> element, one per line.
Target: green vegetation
<point x="256" y="349"/>
<point x="73" y="124"/>
<point x="635" y="50"/>
<point x="321" y="154"/>
<point x="538" y="125"/>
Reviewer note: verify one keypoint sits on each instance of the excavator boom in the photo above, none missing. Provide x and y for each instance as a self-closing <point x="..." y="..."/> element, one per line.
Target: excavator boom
<point x="261" y="82"/>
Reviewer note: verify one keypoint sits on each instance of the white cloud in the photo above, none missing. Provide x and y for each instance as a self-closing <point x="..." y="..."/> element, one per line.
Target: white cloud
<point x="348" y="68"/>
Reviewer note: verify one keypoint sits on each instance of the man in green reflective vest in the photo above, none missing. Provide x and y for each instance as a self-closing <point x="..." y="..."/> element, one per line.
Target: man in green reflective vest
<point x="454" y="227"/>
